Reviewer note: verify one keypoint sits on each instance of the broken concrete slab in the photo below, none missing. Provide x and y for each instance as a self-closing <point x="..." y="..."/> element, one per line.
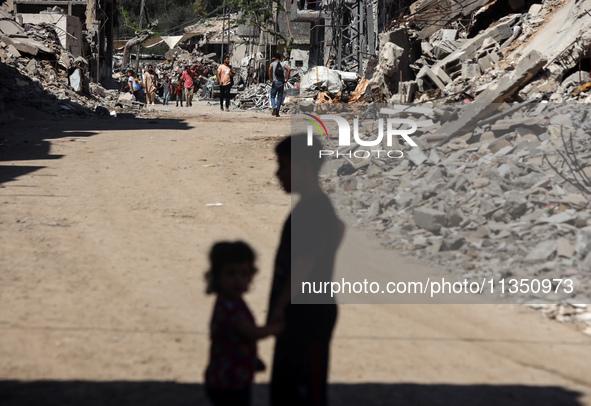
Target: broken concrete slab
<point x="440" y="49"/>
<point x="426" y="71"/>
<point x="434" y="175"/>
<point x="374" y="209"/>
<point x="487" y="102"/>
<point x="470" y="70"/>
<point x="515" y="204"/>
<point x="486" y="62"/>
<point x="13" y="51"/>
<point x="429" y="219"/>
<point x="401" y="39"/>
<point x="535" y="9"/>
<point x="8" y="27"/>
<point x="471" y="47"/>
<point x="454" y="218"/>
<point x="416" y="156"/>
<point x="27" y="45"/>
<point x="508" y="124"/>
<point x="453" y="243"/>
<point x="564" y="248"/>
<point x="562" y="217"/>
<point x="541" y="252"/>
<point x="434" y="157"/>
<point x="407" y="90"/>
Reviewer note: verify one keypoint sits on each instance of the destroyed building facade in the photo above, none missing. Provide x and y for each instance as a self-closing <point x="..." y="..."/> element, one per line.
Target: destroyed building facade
<point x="85" y="27"/>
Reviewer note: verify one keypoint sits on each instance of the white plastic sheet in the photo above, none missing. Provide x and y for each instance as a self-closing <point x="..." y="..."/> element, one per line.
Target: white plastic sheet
<point x="321" y="78"/>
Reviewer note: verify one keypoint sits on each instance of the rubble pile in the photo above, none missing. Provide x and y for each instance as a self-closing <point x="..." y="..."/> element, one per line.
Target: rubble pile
<point x="215" y="29"/>
<point x="573" y="313"/>
<point x="258" y="97"/>
<point x="38" y="72"/>
<point x="455" y="63"/>
<point x="254" y="97"/>
<point x="509" y="199"/>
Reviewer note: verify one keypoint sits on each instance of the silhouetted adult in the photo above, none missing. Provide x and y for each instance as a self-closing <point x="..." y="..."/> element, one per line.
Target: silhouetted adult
<point x="309" y="241"/>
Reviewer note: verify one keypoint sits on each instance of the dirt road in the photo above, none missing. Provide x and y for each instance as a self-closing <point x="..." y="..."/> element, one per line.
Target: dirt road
<point x="104" y="230"/>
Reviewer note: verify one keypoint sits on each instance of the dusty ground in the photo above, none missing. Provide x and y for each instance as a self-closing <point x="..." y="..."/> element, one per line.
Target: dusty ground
<point x="104" y="230"/>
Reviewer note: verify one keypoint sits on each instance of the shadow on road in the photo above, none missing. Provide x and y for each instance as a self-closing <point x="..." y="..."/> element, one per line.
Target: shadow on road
<point x="31" y="140"/>
<point x="151" y="393"/>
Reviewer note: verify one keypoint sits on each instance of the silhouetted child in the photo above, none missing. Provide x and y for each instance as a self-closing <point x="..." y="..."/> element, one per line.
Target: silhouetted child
<point x="179" y="93"/>
<point x="233" y="354"/>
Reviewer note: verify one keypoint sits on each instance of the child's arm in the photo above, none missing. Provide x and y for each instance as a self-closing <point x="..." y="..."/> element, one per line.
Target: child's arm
<point x="252" y="332"/>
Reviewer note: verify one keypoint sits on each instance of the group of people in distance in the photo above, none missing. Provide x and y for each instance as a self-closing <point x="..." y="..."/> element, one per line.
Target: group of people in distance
<point x="184" y="88"/>
<point x="303" y="325"/>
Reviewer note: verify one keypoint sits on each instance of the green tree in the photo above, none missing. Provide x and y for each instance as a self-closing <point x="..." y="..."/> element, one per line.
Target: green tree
<point x="258" y="13"/>
<point x="172" y="15"/>
<point x="200" y="7"/>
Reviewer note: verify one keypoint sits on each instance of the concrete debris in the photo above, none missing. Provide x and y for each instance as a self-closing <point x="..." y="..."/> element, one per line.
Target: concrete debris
<point x="520" y="211"/>
<point x="39" y="73"/>
<point x="503" y="54"/>
<point x="429" y="219"/>
<point x="255" y="97"/>
<point x="526" y="69"/>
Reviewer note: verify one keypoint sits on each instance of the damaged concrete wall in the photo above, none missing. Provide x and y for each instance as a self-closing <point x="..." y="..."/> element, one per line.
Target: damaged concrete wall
<point x="69" y="29"/>
<point x="456" y="64"/>
<point x="99" y="27"/>
<point x="432" y="15"/>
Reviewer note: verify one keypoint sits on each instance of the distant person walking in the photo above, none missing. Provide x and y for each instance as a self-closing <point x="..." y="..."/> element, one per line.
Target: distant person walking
<point x="233" y="354"/>
<point x="179" y="93"/>
<point x="189" y="82"/>
<point x="150" y="83"/>
<point x="133" y="86"/>
<point x="225" y="79"/>
<point x="278" y="78"/>
<point x="166" y="90"/>
<point x="309" y="242"/>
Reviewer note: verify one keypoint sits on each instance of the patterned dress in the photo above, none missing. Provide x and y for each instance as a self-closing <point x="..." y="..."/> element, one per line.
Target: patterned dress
<point x="232" y="357"/>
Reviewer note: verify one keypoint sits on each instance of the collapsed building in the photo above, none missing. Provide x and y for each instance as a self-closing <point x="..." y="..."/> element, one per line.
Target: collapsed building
<point x="452" y="50"/>
<point x="55" y="54"/>
<point x="85" y="27"/>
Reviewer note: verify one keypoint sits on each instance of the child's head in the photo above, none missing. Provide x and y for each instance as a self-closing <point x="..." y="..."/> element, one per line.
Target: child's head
<point x="231" y="269"/>
<point x="130" y="73"/>
<point x="166" y="78"/>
